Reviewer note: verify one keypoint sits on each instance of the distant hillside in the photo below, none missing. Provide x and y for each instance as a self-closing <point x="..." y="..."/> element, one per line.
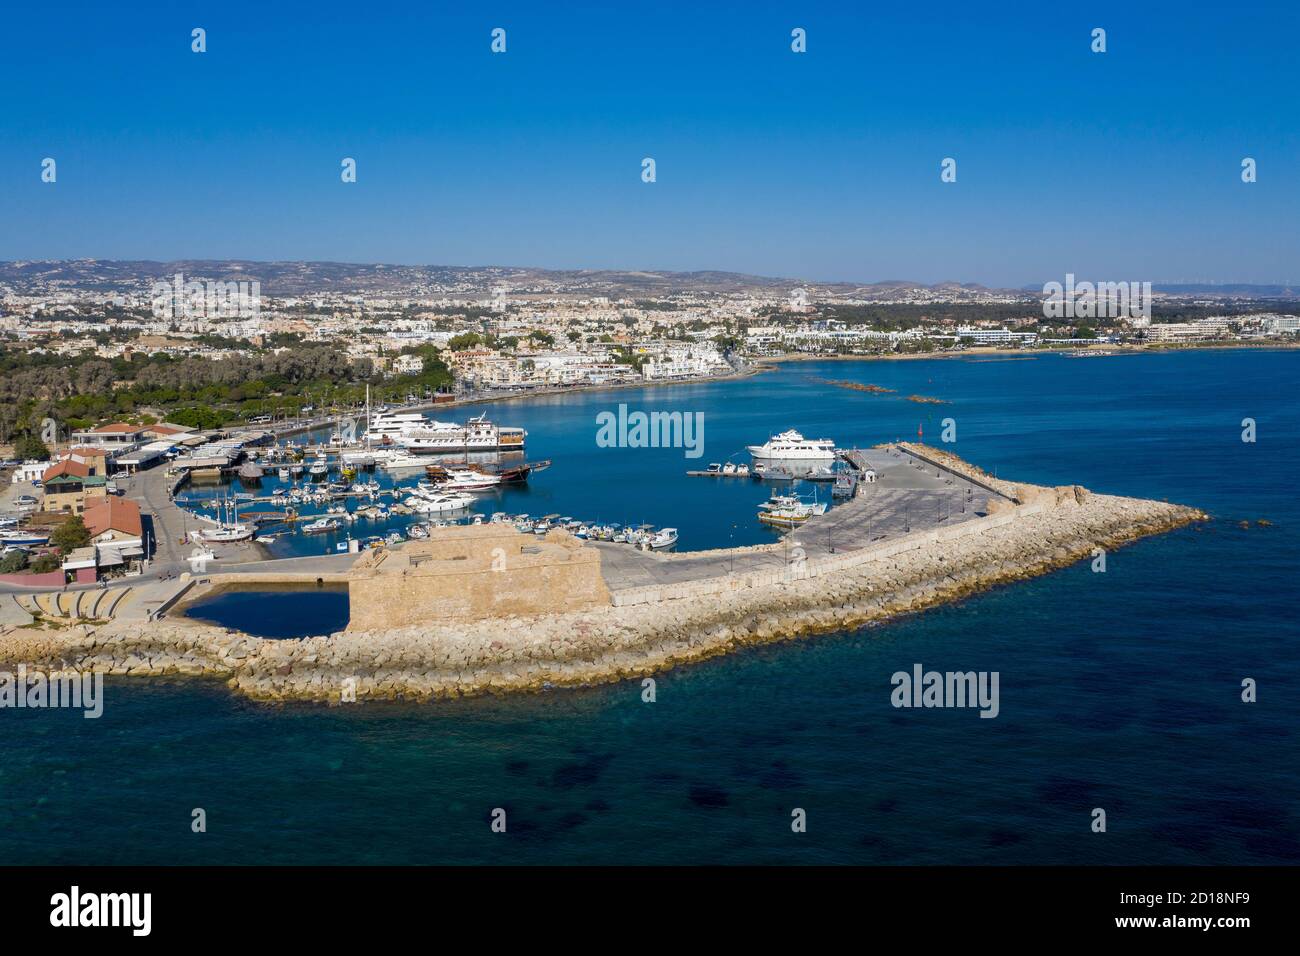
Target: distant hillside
<point x="301" y="278"/>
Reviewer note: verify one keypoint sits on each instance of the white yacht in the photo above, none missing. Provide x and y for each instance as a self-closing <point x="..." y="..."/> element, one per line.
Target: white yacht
<point x="792" y="446"/>
<point x="414" y="432"/>
<point x="477" y="434"/>
<point x="429" y="503"/>
<point x="390" y="425"/>
<point x="462" y="479"/>
<point x="397" y="460"/>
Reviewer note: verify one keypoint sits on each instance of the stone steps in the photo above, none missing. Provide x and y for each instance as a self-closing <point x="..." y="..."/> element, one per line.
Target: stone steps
<point x="122" y="596"/>
<point x="100" y="601"/>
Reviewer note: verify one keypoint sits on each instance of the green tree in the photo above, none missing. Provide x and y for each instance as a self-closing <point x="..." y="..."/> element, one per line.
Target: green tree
<point x="70" y="535"/>
<point x="13" y="562"/>
<point x="29" y="446"/>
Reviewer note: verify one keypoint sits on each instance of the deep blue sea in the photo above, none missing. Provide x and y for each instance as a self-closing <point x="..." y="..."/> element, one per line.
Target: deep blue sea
<point x="1118" y="690"/>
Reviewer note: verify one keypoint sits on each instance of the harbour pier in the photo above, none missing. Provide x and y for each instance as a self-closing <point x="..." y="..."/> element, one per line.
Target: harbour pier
<point x="489" y="609"/>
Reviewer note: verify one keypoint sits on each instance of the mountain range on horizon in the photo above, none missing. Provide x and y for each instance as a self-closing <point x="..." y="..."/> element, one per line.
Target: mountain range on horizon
<point x="291" y="277"/>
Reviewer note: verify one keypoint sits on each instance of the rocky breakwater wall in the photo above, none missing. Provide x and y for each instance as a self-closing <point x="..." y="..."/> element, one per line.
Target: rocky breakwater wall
<point x="613" y="642"/>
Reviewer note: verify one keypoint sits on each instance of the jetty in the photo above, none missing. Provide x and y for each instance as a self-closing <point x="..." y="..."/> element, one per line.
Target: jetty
<point x="485" y="608"/>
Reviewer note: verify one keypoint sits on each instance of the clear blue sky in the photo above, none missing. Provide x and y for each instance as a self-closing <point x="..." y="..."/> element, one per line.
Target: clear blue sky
<point x="823" y="166"/>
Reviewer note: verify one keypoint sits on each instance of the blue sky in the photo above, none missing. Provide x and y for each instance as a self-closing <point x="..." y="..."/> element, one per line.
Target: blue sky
<point x="822" y="166"/>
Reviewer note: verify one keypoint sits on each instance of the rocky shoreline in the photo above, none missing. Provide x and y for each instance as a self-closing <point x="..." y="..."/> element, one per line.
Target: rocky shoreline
<point x="606" y="644"/>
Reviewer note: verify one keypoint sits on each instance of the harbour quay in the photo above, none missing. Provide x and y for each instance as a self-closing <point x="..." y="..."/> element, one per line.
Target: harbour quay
<point x="535" y="615"/>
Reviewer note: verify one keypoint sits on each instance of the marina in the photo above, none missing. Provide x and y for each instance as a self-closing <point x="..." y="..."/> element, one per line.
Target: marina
<point x="974" y="622"/>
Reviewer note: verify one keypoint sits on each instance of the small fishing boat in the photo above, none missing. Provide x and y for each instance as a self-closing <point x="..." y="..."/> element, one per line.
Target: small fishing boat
<point x="663" y="539"/>
<point x="787" y="511"/>
<point x="320" y="526"/>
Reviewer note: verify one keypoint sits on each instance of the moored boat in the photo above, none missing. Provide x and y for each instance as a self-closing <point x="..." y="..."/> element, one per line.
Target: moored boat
<point x="790" y="445"/>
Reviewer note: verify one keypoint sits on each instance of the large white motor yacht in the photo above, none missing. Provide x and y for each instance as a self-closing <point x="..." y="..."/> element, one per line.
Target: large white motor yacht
<point x="792" y="446"/>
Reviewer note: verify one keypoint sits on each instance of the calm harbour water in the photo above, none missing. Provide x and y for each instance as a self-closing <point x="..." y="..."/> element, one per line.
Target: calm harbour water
<point x="1118" y="690"/>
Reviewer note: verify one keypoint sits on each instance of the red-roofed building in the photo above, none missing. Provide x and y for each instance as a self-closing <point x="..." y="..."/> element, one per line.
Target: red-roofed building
<point x="66" y="466"/>
<point x="94" y="458"/>
<point x="69" y="485"/>
<point x="116" y="540"/>
<point x="113" y="519"/>
<point x="116" y="435"/>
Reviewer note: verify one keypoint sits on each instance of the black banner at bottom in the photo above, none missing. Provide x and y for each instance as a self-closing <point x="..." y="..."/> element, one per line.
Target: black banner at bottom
<point x="333" y="906"/>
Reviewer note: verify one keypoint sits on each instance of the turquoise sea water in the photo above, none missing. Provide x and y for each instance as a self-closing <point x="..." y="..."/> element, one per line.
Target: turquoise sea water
<point x="1118" y="690"/>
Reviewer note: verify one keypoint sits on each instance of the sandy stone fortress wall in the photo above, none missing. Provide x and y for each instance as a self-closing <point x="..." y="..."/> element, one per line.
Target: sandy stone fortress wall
<point x="479" y="571"/>
<point x="432" y="619"/>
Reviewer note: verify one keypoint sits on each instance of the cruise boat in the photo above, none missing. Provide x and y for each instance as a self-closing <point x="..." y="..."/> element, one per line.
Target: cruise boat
<point x="416" y="433"/>
<point x="792" y="446"/>
<point x="390" y="425"/>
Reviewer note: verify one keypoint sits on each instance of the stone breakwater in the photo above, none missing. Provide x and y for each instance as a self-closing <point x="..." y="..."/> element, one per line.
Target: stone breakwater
<point x="611" y="643"/>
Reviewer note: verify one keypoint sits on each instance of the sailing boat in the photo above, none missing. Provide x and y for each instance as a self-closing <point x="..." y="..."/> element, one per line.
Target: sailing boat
<point x="228" y="528"/>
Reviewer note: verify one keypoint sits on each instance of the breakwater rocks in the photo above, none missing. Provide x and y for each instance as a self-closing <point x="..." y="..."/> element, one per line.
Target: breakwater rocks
<point x="608" y="643"/>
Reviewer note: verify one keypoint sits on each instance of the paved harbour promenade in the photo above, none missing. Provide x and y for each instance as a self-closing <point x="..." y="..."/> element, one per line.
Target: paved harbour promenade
<point x="485" y="609"/>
